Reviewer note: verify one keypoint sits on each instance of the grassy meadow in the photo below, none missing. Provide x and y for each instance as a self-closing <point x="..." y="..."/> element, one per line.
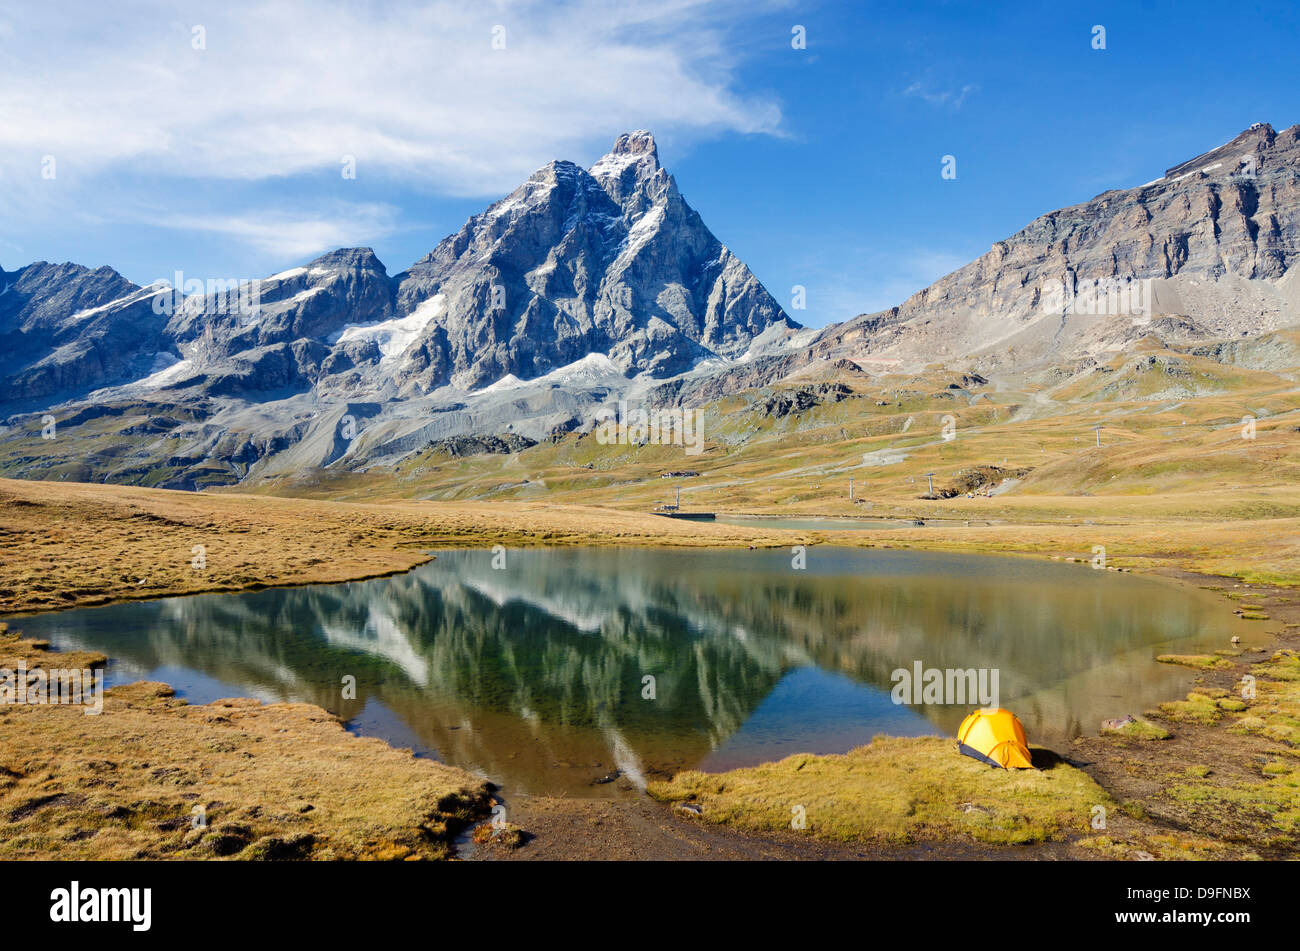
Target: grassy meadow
<point x="1197" y="475"/>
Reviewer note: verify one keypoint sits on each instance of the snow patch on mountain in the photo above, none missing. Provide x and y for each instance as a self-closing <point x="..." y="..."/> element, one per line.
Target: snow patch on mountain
<point x="394" y="336"/>
<point x="641" y="232"/>
<point x="507" y="382"/>
<point x="167" y="369"/>
<point x="289" y="274"/>
<point x="613" y="165"/>
<point x="131" y="298"/>
<point x="593" y="369"/>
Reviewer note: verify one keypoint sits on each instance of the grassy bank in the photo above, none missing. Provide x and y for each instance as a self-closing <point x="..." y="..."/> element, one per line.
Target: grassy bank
<point x="895" y="792"/>
<point x="1221" y="781"/>
<point x="152" y="777"/>
<point x="67" y="544"/>
<point x="63" y="545"/>
<point x="1214" y="775"/>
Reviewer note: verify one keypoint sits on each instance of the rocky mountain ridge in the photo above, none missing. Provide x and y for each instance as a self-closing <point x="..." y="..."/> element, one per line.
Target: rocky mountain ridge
<point x="1214" y="242"/>
<point x="579" y="283"/>
<point x="574" y="262"/>
<point x="586" y="286"/>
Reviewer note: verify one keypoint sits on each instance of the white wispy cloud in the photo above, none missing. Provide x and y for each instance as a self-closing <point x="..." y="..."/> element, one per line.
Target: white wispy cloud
<point x="953" y="98"/>
<point x="291" y="234"/>
<point x="414" y="90"/>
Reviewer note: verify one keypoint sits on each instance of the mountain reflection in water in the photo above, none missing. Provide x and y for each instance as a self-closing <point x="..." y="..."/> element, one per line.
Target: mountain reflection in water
<point x="534" y="675"/>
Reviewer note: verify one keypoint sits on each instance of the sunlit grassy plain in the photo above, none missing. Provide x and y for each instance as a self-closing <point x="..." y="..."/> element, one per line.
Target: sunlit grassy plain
<point x="152" y="777"/>
<point x="1174" y="481"/>
<point x="1180" y="483"/>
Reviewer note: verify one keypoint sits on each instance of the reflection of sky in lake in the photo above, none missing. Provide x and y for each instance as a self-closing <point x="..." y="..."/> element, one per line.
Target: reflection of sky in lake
<point x="812" y="711"/>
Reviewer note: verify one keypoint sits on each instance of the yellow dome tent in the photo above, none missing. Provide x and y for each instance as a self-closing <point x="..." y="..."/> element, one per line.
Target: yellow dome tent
<point x="994" y="737"/>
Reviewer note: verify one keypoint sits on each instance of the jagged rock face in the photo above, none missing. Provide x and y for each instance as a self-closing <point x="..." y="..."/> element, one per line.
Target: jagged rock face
<point x="281" y="335"/>
<point x="42" y="296"/>
<point x="1218" y="236"/>
<point x="459" y="446"/>
<point x="65" y="329"/>
<point x="786" y="402"/>
<point x="348" y="286"/>
<point x="562" y="293"/>
<point x="584" y="286"/>
<point x="610" y="260"/>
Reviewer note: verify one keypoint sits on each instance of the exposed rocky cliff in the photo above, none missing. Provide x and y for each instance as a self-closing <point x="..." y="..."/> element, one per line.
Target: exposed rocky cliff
<point x="611" y="260"/>
<point x="1217" y="237"/>
<point x="66" y="330"/>
<point x="578" y="284"/>
<point x="587" y="286"/>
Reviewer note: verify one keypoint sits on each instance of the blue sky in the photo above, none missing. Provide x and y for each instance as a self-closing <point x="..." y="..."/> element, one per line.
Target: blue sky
<point x="818" y="167"/>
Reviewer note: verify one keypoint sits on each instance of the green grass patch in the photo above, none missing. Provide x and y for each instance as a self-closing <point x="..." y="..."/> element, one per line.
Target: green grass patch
<point x="1273" y="804"/>
<point x="1197" y="708"/>
<point x="895" y="791"/>
<point x="1196" y="661"/>
<point x="1283" y="665"/>
<point x="1139" y="730"/>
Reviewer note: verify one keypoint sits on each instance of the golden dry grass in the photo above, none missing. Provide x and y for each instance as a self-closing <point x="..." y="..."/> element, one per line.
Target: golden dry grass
<point x="66" y="544"/>
<point x="273" y="781"/>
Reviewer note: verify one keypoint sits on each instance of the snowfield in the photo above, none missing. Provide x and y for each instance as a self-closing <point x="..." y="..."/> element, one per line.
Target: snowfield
<point x="394" y="336"/>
